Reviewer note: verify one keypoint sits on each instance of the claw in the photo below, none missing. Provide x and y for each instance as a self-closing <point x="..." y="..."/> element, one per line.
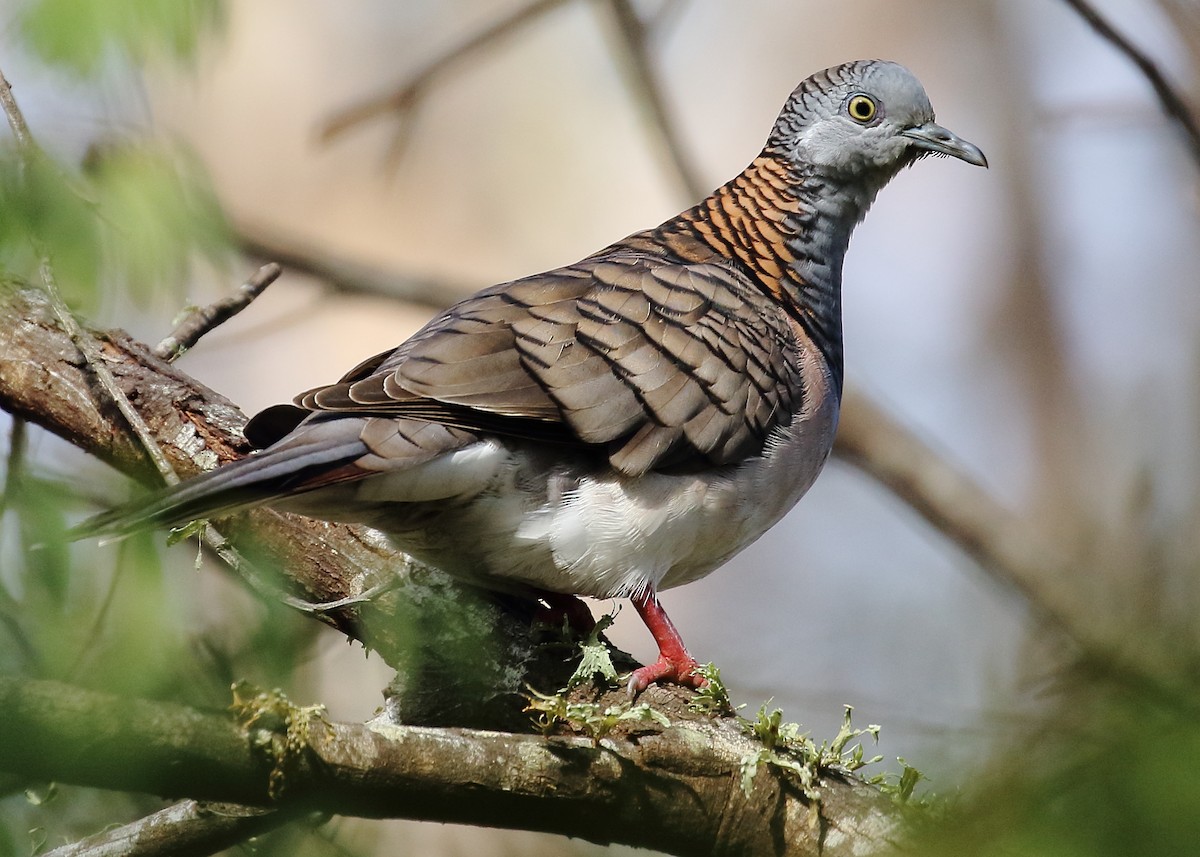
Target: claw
<point x="664" y="670"/>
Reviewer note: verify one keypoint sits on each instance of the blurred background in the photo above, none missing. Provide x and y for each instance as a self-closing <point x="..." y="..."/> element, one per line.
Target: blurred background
<point x="1036" y="323"/>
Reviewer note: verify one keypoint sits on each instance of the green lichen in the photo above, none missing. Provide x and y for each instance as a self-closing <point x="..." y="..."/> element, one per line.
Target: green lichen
<point x="277" y="729"/>
<point x="713" y="698"/>
<point x="192" y="529"/>
<point x="589" y="718"/>
<point x="794" y="752"/>
<point x="595" y="660"/>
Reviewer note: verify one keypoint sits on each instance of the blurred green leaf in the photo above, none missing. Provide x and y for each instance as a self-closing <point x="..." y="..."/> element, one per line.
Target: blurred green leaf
<point x="157" y="210"/>
<point x="41" y="203"/>
<point x="1120" y="781"/>
<point x="81" y="35"/>
<point x="39" y="506"/>
<point x="137" y="217"/>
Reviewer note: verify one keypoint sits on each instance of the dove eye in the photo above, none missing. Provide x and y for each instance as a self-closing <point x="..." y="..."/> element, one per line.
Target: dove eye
<point x="862" y="108"/>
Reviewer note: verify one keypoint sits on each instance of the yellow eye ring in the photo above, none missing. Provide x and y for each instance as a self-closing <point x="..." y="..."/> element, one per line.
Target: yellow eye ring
<point x="862" y="108"/>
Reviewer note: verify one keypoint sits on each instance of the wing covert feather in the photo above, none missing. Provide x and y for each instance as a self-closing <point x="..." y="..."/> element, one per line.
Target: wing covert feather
<point x="657" y="363"/>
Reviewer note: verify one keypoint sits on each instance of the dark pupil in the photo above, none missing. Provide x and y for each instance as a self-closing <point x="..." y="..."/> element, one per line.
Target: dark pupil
<point x="862" y="108"/>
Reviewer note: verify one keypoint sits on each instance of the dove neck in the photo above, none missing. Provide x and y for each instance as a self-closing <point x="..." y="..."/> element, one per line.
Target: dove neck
<point x="790" y="228"/>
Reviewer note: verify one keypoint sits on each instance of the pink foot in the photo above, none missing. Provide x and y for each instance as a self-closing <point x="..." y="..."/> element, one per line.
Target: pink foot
<point x="674" y="663"/>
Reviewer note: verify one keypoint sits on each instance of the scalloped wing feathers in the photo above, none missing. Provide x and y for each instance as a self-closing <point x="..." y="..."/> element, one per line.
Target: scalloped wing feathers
<point x="655" y="363"/>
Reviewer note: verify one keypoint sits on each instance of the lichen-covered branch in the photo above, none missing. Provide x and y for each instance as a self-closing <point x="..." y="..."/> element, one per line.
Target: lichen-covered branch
<point x="676" y="789"/>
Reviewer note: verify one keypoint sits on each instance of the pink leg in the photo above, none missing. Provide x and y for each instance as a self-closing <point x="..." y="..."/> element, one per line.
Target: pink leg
<point x="674" y="664"/>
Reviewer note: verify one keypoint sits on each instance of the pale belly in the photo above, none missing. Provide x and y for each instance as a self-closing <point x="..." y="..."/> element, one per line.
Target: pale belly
<point x="513" y="517"/>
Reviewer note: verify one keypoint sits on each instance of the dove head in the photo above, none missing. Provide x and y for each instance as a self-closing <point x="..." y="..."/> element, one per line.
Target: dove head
<point x="867" y="118"/>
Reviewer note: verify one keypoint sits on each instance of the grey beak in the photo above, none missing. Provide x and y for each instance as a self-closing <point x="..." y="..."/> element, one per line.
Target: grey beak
<point x="932" y="137"/>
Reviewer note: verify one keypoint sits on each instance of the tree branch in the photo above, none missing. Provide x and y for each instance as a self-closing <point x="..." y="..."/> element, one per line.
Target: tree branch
<point x="1001" y="543"/>
<point x="346" y="275"/>
<point x="41" y="378"/>
<point x="676" y="789"/>
<point x="187" y="829"/>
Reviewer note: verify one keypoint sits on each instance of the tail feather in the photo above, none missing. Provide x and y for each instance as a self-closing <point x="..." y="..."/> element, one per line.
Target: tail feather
<point x="251" y="481"/>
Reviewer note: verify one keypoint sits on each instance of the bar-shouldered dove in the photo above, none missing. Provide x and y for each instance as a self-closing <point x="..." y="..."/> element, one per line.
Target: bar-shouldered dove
<point x="621" y="425"/>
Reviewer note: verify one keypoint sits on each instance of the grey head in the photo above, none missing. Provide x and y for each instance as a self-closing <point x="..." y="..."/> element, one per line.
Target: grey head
<point x="865" y="119"/>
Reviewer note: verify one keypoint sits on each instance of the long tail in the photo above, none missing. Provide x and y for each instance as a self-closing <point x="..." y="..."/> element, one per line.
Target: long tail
<point x="259" y="478"/>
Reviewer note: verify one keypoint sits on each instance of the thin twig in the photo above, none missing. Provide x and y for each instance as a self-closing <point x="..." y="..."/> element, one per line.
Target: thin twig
<point x="190" y="827"/>
<point x="316" y="608"/>
<point x="18" y="441"/>
<point x="202" y="320"/>
<point x="404" y="98"/>
<point x="268" y="589"/>
<point x="16" y="119"/>
<point x="1172" y="103"/>
<point x="648" y="95"/>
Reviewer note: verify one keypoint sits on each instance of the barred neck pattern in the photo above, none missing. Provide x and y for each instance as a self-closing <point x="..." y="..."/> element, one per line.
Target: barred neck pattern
<point x="790" y="230"/>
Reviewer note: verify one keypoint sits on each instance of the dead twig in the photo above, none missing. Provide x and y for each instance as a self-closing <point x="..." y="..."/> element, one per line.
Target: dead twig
<point x="16" y="119"/>
<point x="202" y="320"/>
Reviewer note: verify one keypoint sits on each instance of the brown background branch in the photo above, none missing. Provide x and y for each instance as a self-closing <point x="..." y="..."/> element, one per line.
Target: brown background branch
<point x="1173" y="104"/>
